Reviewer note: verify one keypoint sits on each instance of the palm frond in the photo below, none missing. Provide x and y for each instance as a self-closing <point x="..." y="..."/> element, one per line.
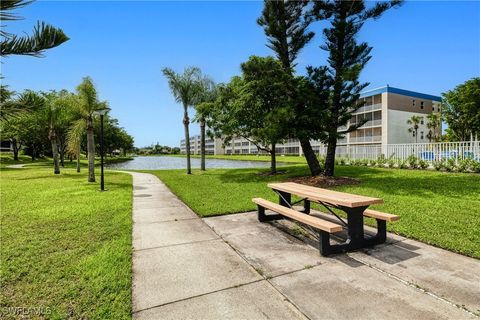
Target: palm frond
<point x="75" y="136"/>
<point x="9" y="5"/>
<point x="44" y="37"/>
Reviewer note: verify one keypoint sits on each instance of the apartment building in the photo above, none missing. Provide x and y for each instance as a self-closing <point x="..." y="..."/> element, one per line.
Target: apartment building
<point x="386" y="111"/>
<point x="212" y="146"/>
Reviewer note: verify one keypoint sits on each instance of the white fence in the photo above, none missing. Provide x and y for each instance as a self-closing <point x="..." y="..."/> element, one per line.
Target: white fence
<point x="429" y="152"/>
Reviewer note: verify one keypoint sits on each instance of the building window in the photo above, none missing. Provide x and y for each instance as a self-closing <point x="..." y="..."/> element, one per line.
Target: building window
<point x="421" y="104"/>
<point x="421" y="121"/>
<point x="421" y="135"/>
<point x="413" y="103"/>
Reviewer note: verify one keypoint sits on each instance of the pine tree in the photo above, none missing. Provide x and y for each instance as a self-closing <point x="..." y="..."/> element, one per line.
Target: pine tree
<point x="285" y="24"/>
<point x="346" y="60"/>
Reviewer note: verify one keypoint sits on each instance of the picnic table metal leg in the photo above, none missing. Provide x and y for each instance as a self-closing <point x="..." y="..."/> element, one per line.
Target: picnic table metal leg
<point x="262" y="217"/>
<point x="381" y="235"/>
<point x="356" y="234"/>
<point x="306" y="206"/>
<point x="284" y="199"/>
<point x="355" y="230"/>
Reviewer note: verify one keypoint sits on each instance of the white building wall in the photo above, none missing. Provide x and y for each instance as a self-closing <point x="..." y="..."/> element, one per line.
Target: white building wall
<point x="398" y="127"/>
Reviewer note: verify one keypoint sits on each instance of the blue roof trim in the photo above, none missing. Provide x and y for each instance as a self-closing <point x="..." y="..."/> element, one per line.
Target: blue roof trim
<point x="400" y="91"/>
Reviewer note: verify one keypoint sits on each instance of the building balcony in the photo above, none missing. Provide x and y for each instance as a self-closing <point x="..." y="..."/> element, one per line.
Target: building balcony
<point x="369" y="108"/>
<point x="365" y="139"/>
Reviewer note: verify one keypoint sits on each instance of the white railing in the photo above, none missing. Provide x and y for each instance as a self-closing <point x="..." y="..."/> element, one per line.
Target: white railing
<point x="365" y="139"/>
<point x="369" y="108"/>
<point x="429" y="152"/>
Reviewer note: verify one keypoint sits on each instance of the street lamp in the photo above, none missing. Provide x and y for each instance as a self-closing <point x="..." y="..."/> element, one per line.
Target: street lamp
<point x="101" y="113"/>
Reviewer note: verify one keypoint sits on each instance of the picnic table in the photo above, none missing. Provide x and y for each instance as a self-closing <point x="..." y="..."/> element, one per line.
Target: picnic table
<point x="355" y="207"/>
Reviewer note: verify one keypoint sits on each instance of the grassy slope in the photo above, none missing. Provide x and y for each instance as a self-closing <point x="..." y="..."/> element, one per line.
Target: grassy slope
<point x="64" y="244"/>
<point x="438" y="208"/>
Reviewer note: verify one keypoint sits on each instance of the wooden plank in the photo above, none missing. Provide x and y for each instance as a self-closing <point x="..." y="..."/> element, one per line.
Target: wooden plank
<point x="380" y="215"/>
<point x="325" y="195"/>
<point x="301" y="217"/>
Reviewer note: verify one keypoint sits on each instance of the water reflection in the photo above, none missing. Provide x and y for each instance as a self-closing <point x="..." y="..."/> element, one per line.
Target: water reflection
<point x="167" y="162"/>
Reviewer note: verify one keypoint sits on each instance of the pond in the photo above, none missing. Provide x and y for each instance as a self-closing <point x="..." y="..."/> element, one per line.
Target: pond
<point x="167" y="162"/>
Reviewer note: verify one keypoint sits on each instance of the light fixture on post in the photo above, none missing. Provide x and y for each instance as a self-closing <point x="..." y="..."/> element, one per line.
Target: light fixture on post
<point x="101" y="113"/>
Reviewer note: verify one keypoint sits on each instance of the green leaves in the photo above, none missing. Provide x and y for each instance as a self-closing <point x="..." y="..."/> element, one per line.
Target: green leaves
<point x="186" y="87"/>
<point x="462" y="109"/>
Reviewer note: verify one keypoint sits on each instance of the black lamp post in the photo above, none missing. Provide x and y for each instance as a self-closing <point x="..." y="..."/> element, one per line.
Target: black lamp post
<point x="102" y="113"/>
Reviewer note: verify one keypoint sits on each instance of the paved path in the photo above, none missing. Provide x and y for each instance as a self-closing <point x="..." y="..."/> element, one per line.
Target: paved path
<point x="232" y="267"/>
<point x="182" y="269"/>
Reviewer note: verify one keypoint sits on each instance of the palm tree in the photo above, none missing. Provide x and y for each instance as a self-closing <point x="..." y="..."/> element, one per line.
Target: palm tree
<point x="433" y="123"/>
<point x="185" y="88"/>
<point x="207" y="95"/>
<point x="86" y="102"/>
<point x="414" y="123"/>
<point x="53" y="108"/>
<point x="44" y="35"/>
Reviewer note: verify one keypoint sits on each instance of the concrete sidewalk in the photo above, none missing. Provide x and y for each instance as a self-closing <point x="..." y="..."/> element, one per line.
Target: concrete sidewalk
<point x="233" y="267"/>
<point x="184" y="270"/>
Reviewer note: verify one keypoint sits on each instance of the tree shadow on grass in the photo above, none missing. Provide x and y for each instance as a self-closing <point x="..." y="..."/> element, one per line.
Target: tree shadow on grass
<point x="447" y="185"/>
<point x="259" y="175"/>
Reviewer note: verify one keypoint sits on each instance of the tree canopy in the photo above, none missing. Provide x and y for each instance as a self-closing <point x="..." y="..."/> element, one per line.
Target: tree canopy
<point x="461" y="110"/>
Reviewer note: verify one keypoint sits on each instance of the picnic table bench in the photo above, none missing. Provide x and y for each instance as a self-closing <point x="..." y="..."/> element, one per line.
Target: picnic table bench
<point x="355" y="207"/>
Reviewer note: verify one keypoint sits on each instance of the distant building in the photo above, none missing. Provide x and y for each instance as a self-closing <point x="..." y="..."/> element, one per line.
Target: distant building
<point x="386" y="110"/>
<point x="212" y="146"/>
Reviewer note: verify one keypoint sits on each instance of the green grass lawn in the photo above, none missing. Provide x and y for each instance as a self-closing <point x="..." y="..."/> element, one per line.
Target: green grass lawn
<point x="438" y="208"/>
<point x="6" y="159"/>
<point x="66" y="246"/>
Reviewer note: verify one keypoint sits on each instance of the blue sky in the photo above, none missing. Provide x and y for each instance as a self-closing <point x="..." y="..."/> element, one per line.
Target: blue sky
<point x="423" y="46"/>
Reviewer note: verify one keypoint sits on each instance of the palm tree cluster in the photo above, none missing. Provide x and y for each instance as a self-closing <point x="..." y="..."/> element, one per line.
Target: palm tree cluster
<point x="192" y="89"/>
<point x="60" y="123"/>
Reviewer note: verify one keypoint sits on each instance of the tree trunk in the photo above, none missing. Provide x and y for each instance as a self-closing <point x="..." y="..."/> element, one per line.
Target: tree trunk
<point x="33" y="152"/>
<point x="187" y="137"/>
<point x="78" y="159"/>
<point x="330" y="159"/>
<point x="90" y="150"/>
<point x="312" y="160"/>
<point x="56" y="166"/>
<point x="273" y="159"/>
<point x="202" y="144"/>
<point x="62" y="152"/>
<point x="15" y="149"/>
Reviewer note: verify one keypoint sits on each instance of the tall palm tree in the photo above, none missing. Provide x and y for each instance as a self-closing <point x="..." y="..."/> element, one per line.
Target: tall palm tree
<point x="433" y="123"/>
<point x="207" y="95"/>
<point x="44" y="35"/>
<point x="414" y="123"/>
<point x="185" y="88"/>
<point x="86" y="102"/>
<point x="52" y="109"/>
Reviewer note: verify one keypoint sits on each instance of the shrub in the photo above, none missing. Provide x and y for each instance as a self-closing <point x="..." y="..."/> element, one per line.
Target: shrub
<point x="381" y="161"/>
<point x="412" y="161"/>
<point x="422" y="164"/>
<point x="372" y="163"/>
<point x="403" y="164"/>
<point x="438" y="165"/>
<point x="450" y="165"/>
<point x="463" y="165"/>
<point x="391" y="163"/>
<point x="475" y="166"/>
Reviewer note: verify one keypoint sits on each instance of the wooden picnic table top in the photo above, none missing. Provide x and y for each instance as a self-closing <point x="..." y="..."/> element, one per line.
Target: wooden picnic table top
<point x="324" y="195"/>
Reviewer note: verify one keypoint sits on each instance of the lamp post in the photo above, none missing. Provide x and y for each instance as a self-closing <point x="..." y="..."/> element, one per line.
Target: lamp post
<point x="101" y="113"/>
